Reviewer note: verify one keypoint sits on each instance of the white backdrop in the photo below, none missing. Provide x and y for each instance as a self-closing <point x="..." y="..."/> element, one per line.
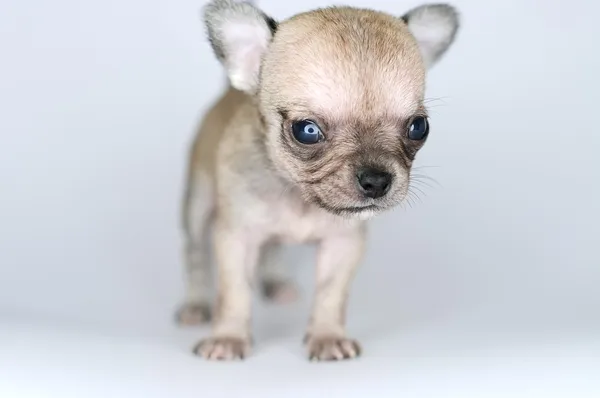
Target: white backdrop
<point x="500" y="258"/>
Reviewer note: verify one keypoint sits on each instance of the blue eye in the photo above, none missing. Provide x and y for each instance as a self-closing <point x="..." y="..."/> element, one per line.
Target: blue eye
<point x="418" y="129"/>
<point x="307" y="132"/>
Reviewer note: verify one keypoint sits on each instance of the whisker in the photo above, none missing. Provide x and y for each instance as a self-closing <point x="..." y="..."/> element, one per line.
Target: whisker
<point x="425" y="180"/>
<point x="418" y="189"/>
<point x="286" y="188"/>
<point x="409" y="201"/>
<point x="432" y="108"/>
<point x="434" y="99"/>
<point x="411" y="197"/>
<point x="420" y="183"/>
<point x="422" y="176"/>
<point x="416" y="196"/>
<point x="428" y="103"/>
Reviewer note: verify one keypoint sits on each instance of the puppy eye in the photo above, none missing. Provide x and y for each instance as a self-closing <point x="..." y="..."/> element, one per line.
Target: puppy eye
<point x="418" y="129"/>
<point x="307" y="132"/>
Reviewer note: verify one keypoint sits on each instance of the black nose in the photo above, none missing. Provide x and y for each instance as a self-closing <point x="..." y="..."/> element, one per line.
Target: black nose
<point x="373" y="183"/>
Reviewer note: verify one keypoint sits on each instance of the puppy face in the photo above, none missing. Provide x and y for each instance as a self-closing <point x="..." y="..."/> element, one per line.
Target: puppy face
<point x="340" y="91"/>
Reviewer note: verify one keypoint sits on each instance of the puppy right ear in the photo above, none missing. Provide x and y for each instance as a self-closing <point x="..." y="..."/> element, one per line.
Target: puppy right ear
<point x="434" y="26"/>
<point x="240" y="35"/>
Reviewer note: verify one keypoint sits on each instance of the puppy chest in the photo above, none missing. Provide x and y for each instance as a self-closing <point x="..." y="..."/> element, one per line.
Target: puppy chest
<point x="298" y="224"/>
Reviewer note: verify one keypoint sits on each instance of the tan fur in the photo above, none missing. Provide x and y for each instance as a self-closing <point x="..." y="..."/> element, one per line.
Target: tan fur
<point x="360" y="76"/>
<point x="362" y="70"/>
<point x="204" y="148"/>
<point x="345" y="63"/>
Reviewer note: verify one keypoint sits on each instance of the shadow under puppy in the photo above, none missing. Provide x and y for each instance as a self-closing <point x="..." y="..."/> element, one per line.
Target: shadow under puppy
<point x="316" y="134"/>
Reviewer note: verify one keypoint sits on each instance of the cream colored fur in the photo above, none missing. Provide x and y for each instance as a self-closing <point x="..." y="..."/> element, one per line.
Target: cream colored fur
<point x="359" y="75"/>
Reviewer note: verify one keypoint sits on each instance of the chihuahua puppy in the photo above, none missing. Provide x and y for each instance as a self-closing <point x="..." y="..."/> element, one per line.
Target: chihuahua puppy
<point x="316" y="133"/>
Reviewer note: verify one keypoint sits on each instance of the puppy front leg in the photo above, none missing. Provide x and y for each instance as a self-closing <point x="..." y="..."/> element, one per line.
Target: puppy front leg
<point x="236" y="254"/>
<point x="337" y="260"/>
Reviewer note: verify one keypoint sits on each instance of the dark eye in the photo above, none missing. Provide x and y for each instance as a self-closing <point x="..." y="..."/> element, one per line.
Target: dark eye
<point x="307" y="132"/>
<point x="418" y="129"/>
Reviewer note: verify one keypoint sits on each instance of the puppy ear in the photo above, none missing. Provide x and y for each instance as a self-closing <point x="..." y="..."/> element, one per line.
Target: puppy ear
<point x="434" y="26"/>
<point x="240" y="35"/>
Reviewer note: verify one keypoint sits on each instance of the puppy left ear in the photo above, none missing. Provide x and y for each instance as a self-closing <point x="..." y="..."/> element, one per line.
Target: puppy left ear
<point x="434" y="26"/>
<point x="240" y="35"/>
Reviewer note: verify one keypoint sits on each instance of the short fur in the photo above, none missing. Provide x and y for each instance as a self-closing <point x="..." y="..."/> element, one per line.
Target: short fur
<point x="360" y="75"/>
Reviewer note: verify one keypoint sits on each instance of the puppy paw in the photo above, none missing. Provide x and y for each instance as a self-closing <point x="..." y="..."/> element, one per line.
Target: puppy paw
<point x="223" y="348"/>
<point x="191" y="314"/>
<point x="331" y="348"/>
<point x="280" y="292"/>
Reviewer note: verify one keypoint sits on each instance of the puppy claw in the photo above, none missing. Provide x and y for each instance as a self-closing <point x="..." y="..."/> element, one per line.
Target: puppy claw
<point x="280" y="292"/>
<point x="191" y="314"/>
<point x="223" y="348"/>
<point x="329" y="348"/>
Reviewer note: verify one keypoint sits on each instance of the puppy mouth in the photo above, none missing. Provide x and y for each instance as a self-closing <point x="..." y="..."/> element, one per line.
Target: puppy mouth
<point x="344" y="210"/>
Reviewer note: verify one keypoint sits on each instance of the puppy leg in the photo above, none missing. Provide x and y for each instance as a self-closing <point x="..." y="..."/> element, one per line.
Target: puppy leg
<point x="338" y="258"/>
<point x="274" y="278"/>
<point x="237" y="254"/>
<point x="197" y="213"/>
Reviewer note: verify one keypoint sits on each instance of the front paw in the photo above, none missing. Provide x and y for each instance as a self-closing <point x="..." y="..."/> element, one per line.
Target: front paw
<point x="331" y="348"/>
<point x="223" y="348"/>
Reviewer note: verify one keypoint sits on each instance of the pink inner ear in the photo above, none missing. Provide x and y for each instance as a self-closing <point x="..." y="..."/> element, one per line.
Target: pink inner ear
<point x="433" y="28"/>
<point x="246" y="43"/>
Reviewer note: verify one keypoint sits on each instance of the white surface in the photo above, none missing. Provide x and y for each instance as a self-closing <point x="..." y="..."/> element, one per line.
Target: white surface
<point x="487" y="287"/>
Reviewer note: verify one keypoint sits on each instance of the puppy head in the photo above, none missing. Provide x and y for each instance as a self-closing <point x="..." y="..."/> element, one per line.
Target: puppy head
<point x="340" y="91"/>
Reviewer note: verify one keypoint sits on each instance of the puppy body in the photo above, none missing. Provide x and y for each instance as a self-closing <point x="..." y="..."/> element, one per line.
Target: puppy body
<point x="315" y="135"/>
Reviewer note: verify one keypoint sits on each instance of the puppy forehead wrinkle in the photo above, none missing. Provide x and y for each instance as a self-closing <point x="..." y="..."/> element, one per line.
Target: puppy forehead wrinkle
<point x="346" y="61"/>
